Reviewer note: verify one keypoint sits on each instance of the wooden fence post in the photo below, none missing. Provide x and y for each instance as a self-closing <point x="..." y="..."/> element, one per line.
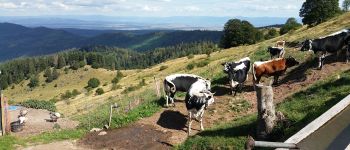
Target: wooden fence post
<point x="156" y="86"/>
<point x="266" y="110"/>
<point x="2" y="117"/>
<point x="7" y="117"/>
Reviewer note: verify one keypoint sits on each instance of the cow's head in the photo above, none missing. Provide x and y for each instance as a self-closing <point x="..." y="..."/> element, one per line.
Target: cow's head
<point x="306" y="45"/>
<point x="209" y="98"/>
<point x="226" y="66"/>
<point x="208" y="84"/>
<point x="290" y="62"/>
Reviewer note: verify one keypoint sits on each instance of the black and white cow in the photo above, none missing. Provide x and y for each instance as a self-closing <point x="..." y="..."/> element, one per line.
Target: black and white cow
<point x="198" y="98"/>
<point x="182" y="83"/>
<point x="276" y="51"/>
<point x="237" y="73"/>
<point x="329" y="44"/>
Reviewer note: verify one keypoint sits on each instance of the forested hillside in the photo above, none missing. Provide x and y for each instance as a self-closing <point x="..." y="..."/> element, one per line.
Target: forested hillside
<point x="111" y="58"/>
<point x="17" y="40"/>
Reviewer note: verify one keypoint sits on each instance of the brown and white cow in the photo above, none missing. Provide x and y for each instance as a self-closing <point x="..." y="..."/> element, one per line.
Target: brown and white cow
<point x="275" y="67"/>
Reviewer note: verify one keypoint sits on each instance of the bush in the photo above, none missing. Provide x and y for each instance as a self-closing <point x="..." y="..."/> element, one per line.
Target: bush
<point x="142" y="83"/>
<point x="34" y="82"/>
<point x="100" y="91"/>
<point x="93" y="83"/>
<point x="118" y="77"/>
<point x="66" y="95"/>
<point x="190" y="66"/>
<point x="202" y="63"/>
<point x="190" y="56"/>
<point x="163" y="68"/>
<point x="75" y="92"/>
<point x="39" y="104"/>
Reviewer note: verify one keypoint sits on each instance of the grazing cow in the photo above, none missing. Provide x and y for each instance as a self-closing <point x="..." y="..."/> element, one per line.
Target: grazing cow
<point x="237" y="73"/>
<point x="276" y="51"/>
<point x="198" y="98"/>
<point x="280" y="44"/>
<point x="328" y="44"/>
<point x="275" y="67"/>
<point x="181" y="82"/>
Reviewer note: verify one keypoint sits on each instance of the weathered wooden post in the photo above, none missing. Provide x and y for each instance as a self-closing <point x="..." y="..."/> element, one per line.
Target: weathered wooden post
<point x="266" y="110"/>
<point x="157" y="86"/>
<point x="2" y="113"/>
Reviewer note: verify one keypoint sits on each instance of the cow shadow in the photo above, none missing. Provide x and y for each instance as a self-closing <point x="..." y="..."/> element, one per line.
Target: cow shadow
<point x="172" y="120"/>
<point x="221" y="90"/>
<point x="299" y="73"/>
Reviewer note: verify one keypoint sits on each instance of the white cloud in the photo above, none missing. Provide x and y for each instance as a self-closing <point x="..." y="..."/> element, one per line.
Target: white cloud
<point x="150" y="8"/>
<point x="192" y="8"/>
<point x="8" y="5"/>
<point x="275" y="8"/>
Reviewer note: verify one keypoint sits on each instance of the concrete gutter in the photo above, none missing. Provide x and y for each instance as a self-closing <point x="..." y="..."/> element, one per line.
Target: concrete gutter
<point x="320" y="121"/>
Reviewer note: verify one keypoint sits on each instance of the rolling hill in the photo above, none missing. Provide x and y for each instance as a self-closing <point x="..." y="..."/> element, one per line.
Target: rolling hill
<point x="223" y="111"/>
<point x="17" y="41"/>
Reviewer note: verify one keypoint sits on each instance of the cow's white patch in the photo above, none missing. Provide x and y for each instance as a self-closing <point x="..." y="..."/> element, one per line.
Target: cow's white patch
<point x="243" y="59"/>
<point x="197" y="87"/>
<point x="335" y="33"/>
<point x="258" y="63"/>
<point x="310" y="45"/>
<point x="240" y="67"/>
<point x="233" y="83"/>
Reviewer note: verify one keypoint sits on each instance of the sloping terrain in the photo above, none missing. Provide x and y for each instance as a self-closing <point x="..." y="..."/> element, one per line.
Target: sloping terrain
<point x="172" y="120"/>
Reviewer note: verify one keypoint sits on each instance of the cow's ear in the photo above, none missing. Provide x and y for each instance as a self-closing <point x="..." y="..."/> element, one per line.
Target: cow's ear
<point x="223" y="64"/>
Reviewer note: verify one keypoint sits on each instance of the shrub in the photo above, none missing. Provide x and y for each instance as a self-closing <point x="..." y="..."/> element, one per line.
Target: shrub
<point x="190" y="66"/>
<point x="75" y="92"/>
<point x="202" y="63"/>
<point x="163" y="68"/>
<point x="190" y="56"/>
<point x="39" y="104"/>
<point x="93" y="83"/>
<point x="34" y="82"/>
<point x="142" y="83"/>
<point x="66" y="95"/>
<point x="100" y="91"/>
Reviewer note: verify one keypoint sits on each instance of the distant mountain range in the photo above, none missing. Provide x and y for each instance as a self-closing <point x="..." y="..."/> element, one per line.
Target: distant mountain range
<point x="137" y="23"/>
<point x="17" y="40"/>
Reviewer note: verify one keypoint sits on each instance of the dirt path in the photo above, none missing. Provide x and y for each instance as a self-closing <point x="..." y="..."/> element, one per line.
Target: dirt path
<point x="168" y="127"/>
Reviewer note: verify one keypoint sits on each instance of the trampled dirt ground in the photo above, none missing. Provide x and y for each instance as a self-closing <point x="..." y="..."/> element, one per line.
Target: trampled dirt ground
<point x="168" y="127"/>
<point x="36" y="122"/>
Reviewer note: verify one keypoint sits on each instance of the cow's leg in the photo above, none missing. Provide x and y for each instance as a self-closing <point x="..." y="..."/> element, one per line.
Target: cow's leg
<point x="275" y="80"/>
<point x="201" y="120"/>
<point x="189" y="123"/>
<point x="172" y="96"/>
<point x="348" y="54"/>
<point x="320" y="61"/>
<point x="167" y="100"/>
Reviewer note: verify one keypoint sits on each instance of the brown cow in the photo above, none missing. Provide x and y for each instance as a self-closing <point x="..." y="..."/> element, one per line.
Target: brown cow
<point x="275" y="67"/>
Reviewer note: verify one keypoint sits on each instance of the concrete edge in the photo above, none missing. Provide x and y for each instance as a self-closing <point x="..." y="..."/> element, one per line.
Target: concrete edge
<point x="320" y="121"/>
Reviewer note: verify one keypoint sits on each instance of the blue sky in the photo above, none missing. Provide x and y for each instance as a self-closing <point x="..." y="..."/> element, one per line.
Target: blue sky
<point x="159" y="8"/>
